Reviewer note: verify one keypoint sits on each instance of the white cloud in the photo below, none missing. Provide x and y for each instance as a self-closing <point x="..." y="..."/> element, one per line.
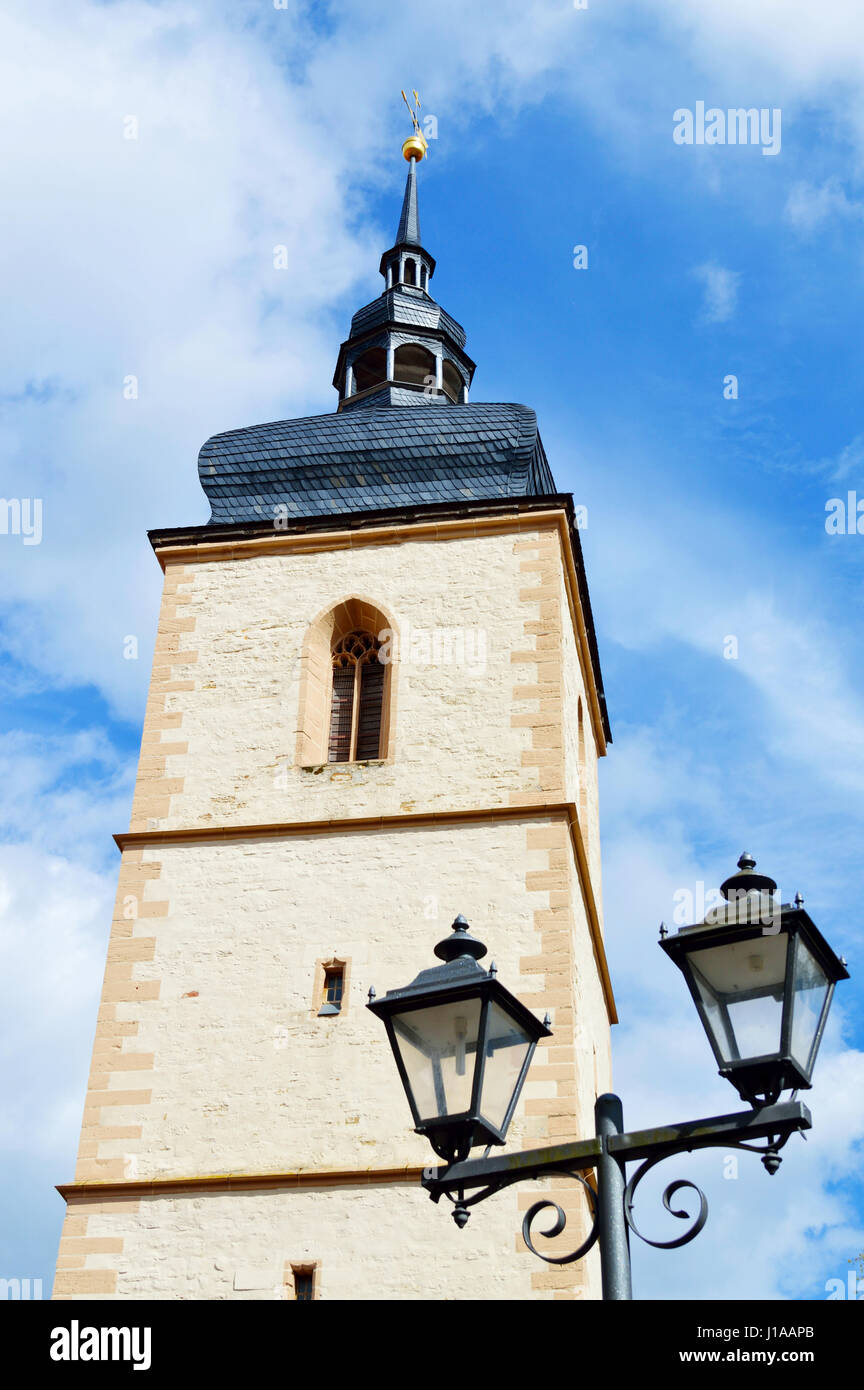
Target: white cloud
<point x="687" y="570"/>
<point x="809" y="47"/>
<point x="767" y="1236"/>
<point x="151" y="257"/>
<point x="809" y="207"/>
<point x="64" y="793"/>
<point x="720" y="291"/>
<point x="54" y="915"/>
<point x="849" y="461"/>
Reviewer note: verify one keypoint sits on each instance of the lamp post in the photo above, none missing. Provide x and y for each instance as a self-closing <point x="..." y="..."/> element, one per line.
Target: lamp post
<point x="762" y="977"/>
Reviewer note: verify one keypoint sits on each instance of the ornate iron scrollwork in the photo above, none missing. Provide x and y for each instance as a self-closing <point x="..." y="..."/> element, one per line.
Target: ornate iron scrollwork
<point x="559" y="1225"/>
<point x="771" y="1160"/>
<point x="771" y="1129"/>
<point x="677" y="1186"/>
<point x="461" y="1212"/>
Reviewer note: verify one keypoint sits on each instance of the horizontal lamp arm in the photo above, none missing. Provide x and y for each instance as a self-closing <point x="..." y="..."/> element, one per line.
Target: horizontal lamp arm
<point x="741" y="1127"/>
<point x="771" y="1121"/>
<point x="480" y="1172"/>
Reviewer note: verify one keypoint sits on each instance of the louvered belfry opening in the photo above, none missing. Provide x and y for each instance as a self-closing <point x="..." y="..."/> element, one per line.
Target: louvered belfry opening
<point x="341" y="714"/>
<point x="358" y="699"/>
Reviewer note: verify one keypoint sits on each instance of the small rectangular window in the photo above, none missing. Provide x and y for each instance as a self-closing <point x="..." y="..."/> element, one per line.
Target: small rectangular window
<point x="334" y="984"/>
<point x="304" y="1284"/>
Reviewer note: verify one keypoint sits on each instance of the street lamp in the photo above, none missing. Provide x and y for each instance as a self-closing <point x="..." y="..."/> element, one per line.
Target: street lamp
<point x="463" y="1044"/>
<point x="762" y="978"/>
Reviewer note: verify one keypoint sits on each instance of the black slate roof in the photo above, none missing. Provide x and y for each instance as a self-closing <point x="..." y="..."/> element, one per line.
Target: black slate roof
<point x="410" y="306"/>
<point x="371" y="458"/>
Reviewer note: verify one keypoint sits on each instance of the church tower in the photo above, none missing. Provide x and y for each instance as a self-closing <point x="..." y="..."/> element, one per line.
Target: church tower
<point x="376" y="702"/>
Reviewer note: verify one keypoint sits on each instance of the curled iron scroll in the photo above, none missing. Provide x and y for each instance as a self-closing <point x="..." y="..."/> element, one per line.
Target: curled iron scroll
<point x="698" y="1220"/>
<point x="559" y="1224"/>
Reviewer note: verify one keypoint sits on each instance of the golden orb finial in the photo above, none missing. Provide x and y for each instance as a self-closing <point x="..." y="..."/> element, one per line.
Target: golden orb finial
<point x="416" y="146"/>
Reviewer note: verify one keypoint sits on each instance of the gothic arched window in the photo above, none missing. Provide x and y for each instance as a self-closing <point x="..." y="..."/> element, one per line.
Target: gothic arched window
<point x="358" y="699"/>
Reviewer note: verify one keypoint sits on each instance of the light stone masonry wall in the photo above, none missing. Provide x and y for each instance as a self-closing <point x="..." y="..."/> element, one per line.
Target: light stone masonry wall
<point x="221" y="726"/>
<point x="219" y="986"/>
<point x="224" y="1066"/>
<point x="386" y="1243"/>
<point x="248" y="1077"/>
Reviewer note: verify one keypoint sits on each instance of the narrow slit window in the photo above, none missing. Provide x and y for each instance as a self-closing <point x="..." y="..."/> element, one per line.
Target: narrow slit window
<point x="357" y="705"/>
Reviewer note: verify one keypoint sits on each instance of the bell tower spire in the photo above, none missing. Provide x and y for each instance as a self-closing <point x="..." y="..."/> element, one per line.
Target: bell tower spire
<point x="403" y="348"/>
<point x="407" y="262"/>
<point x="409" y="223"/>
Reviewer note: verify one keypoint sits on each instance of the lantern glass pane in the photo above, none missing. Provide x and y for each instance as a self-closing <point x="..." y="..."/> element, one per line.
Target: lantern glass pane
<point x="507" y="1046"/>
<point x="741" y="984"/>
<point x="438" y="1046"/>
<point x="810" y="988"/>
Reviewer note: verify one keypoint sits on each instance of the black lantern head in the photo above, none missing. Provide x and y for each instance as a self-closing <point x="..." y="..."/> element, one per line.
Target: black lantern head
<point x="762" y="976"/>
<point x="463" y="1044"/>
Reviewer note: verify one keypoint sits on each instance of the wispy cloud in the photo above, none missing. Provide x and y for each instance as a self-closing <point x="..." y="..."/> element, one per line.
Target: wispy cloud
<point x="848" y="463"/>
<point x="719" y="291"/>
<point x="809" y="207"/>
<point x="64" y="792"/>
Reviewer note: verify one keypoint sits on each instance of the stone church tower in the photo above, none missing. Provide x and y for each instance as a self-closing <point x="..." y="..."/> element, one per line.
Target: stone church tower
<point x="376" y="703"/>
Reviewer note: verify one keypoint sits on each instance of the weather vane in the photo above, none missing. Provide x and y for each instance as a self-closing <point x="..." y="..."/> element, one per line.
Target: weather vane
<point x="415" y="147"/>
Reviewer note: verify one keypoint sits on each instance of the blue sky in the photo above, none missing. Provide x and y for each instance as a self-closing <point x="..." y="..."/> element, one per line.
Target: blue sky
<point x="706" y="517"/>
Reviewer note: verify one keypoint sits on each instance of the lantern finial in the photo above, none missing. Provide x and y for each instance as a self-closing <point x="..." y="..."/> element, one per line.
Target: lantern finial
<point x="460" y="943"/>
<point x="746" y="880"/>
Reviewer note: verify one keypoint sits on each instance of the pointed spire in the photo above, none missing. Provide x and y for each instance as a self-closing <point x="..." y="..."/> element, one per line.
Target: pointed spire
<point x="409" y="223"/>
<point x="393" y="352"/>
